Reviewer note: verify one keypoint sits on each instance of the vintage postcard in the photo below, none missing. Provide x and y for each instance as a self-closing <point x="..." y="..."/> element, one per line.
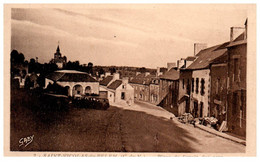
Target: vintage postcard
<point x="129" y="80"/>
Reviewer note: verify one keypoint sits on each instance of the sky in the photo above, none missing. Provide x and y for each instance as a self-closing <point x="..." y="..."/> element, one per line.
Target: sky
<point x="148" y="35"/>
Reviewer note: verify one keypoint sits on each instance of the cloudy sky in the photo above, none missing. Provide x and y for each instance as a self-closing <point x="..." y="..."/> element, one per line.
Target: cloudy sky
<point x="124" y="35"/>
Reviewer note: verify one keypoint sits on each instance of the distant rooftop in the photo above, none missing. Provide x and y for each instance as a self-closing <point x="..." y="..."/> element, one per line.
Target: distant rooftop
<point x="106" y="80"/>
<point x="172" y="74"/>
<point x="114" y="85"/>
<point x="206" y="56"/>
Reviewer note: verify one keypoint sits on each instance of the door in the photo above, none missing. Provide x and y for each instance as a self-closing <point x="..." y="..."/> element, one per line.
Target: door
<point x="201" y="109"/>
<point x="187" y="105"/>
<point x="123" y="95"/>
<point x="196" y="109"/>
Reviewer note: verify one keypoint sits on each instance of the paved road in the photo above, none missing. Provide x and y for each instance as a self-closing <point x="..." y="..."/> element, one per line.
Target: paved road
<point x="113" y="130"/>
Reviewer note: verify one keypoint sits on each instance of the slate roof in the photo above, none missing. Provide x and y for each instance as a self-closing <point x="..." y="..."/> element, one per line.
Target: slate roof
<point x="106" y="80"/>
<point x="115" y="84"/>
<point x="238" y="41"/>
<point x="70" y="76"/>
<point x="172" y="74"/>
<point x="206" y="56"/>
<point x="190" y="58"/>
<point x="142" y="79"/>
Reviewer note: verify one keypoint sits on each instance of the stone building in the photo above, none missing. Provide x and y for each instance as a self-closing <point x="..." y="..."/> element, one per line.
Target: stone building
<point x="169" y="90"/>
<point x="237" y="84"/>
<point x="118" y="90"/>
<point x="141" y="85"/>
<point x="200" y="81"/>
<point x="77" y="83"/>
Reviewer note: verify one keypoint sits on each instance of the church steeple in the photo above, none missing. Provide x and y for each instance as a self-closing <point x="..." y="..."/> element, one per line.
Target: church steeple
<point x="58" y="49"/>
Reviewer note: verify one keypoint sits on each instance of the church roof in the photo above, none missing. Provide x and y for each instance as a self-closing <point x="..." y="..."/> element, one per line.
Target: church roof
<point x="114" y="85"/>
<point x="58" y="49"/>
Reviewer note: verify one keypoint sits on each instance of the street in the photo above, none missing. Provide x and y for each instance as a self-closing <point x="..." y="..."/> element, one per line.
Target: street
<point x="113" y="130"/>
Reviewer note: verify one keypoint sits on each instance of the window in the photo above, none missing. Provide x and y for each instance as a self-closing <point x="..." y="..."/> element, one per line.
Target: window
<point x="197" y="85"/>
<point x="236" y="69"/>
<point x="202" y="82"/>
<point x="123" y="86"/>
<point x="123" y="95"/>
<point x="88" y="90"/>
<point x="188" y="87"/>
<point x="192" y="85"/>
<point x="183" y="83"/>
<point x="235" y="103"/>
<point x="217" y="85"/>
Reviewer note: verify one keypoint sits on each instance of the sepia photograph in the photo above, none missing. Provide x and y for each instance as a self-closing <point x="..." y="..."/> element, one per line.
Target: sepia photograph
<point x="168" y="79"/>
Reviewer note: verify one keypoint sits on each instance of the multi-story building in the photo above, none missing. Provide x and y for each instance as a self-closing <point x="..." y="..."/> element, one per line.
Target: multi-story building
<point x="237" y="63"/>
<point x="169" y="90"/>
<point x="141" y="85"/>
<point x="184" y="83"/>
<point x="200" y="81"/>
<point x="154" y="90"/>
<point x="218" y="88"/>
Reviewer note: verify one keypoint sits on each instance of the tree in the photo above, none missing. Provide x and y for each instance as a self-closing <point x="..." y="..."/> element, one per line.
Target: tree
<point x="142" y="70"/>
<point x="90" y="68"/>
<point x="14" y="56"/>
<point x="112" y="70"/>
<point x="101" y="71"/>
<point x="32" y="61"/>
<point x="17" y="58"/>
<point x="20" y="58"/>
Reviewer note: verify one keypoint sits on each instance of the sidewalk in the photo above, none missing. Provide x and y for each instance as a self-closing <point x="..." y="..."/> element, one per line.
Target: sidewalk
<point x="220" y="134"/>
<point x="160" y="112"/>
<point x="146" y="108"/>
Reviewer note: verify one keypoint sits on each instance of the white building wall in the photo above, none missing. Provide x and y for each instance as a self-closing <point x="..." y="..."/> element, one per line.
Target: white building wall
<point x="129" y="93"/>
<point x="47" y="82"/>
<point x="94" y="85"/>
<point x="201" y="98"/>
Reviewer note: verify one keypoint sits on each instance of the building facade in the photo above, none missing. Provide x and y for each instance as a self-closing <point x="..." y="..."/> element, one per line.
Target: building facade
<point x="218" y="91"/>
<point x="169" y="90"/>
<point x="184" y="91"/>
<point x="141" y="85"/>
<point x="199" y="93"/>
<point x="76" y="82"/>
<point x="237" y="63"/>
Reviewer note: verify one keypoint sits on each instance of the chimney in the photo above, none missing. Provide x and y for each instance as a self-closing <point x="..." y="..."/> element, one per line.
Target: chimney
<point x="115" y="76"/>
<point x="158" y="71"/>
<point x="245" y="35"/>
<point x="235" y="32"/>
<point x="147" y="73"/>
<point x="125" y="80"/>
<point x="181" y="63"/>
<point x="170" y="65"/>
<point x="198" y="47"/>
<point x="107" y="74"/>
